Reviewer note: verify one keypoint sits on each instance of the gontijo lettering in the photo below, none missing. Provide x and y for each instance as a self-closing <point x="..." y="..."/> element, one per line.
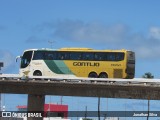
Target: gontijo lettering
<point x="86" y="64"/>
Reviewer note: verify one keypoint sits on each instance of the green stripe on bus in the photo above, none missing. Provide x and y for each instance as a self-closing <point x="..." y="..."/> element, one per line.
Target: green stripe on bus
<point x="58" y="67"/>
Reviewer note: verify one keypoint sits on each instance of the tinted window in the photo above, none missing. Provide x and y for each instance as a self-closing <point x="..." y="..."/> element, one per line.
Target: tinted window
<point x="44" y="55"/>
<point x="99" y="56"/>
<point x="119" y="56"/>
<point x="63" y="56"/>
<point x="75" y="56"/>
<point x="111" y="56"/>
<point x="50" y="55"/>
<point x="88" y="56"/>
<point x="38" y="55"/>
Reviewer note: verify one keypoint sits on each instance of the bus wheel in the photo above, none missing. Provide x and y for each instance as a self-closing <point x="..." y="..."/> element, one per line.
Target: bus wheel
<point x="37" y="73"/>
<point x="92" y="75"/>
<point x="103" y="75"/>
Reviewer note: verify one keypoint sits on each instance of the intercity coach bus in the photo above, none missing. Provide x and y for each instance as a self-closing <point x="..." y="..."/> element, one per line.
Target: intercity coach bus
<point x="81" y="62"/>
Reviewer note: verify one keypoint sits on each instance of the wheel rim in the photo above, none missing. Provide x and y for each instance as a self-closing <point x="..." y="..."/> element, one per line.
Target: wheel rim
<point x="92" y="75"/>
<point x="103" y="75"/>
<point x="37" y="74"/>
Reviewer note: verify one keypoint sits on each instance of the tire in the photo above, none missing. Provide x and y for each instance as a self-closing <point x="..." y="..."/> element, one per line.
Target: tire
<point x="93" y="75"/>
<point x="103" y="75"/>
<point x="37" y="73"/>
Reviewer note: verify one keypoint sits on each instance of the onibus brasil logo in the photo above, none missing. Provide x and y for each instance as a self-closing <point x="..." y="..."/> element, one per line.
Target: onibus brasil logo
<point x="22" y="114"/>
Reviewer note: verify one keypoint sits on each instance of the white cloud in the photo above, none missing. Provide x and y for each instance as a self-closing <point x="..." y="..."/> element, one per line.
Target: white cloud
<point x="34" y="39"/>
<point x="148" y="52"/>
<point x="8" y="59"/>
<point x="116" y="36"/>
<point x="148" y="46"/>
<point x="92" y="32"/>
<point x="155" y="32"/>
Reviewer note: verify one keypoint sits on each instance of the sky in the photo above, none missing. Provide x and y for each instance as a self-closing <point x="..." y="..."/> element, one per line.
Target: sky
<point x="104" y="24"/>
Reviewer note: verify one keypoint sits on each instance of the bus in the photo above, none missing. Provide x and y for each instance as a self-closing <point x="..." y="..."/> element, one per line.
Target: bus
<point x="80" y="62"/>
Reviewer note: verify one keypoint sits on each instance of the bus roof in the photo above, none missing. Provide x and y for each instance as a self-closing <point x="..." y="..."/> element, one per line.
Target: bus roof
<point x="90" y="49"/>
<point x="78" y="49"/>
<point x="75" y="49"/>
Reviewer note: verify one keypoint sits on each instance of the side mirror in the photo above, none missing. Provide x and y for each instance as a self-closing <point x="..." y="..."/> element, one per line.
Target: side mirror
<point x="18" y="58"/>
<point x="1" y="64"/>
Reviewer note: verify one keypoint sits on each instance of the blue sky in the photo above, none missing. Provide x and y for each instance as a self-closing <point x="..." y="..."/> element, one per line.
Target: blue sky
<point x="104" y="24"/>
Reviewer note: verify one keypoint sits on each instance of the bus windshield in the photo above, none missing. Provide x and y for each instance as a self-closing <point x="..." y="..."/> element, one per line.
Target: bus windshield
<point x="26" y="59"/>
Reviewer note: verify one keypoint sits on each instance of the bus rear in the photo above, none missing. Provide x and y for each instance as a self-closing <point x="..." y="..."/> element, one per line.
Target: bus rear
<point x="130" y="67"/>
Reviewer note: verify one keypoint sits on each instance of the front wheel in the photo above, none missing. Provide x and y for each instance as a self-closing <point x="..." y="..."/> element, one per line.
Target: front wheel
<point x="37" y="73"/>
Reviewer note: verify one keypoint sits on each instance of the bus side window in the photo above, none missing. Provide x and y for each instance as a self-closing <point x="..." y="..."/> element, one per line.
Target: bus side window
<point x="38" y="55"/>
<point x="63" y="56"/>
<point x="79" y="56"/>
<point x="99" y="56"/>
<point x="88" y="56"/>
<point x="66" y="55"/>
<point x="75" y="56"/>
<point x="111" y="57"/>
<point x="59" y="56"/>
<point x="50" y="57"/>
<point x="96" y="56"/>
<point x="119" y="56"/>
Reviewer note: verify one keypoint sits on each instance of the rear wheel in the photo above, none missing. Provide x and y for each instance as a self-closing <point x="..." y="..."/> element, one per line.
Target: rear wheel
<point x="93" y="75"/>
<point x="103" y="75"/>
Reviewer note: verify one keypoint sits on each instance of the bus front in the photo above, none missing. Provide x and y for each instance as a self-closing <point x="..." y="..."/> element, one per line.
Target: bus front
<point x="25" y="63"/>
